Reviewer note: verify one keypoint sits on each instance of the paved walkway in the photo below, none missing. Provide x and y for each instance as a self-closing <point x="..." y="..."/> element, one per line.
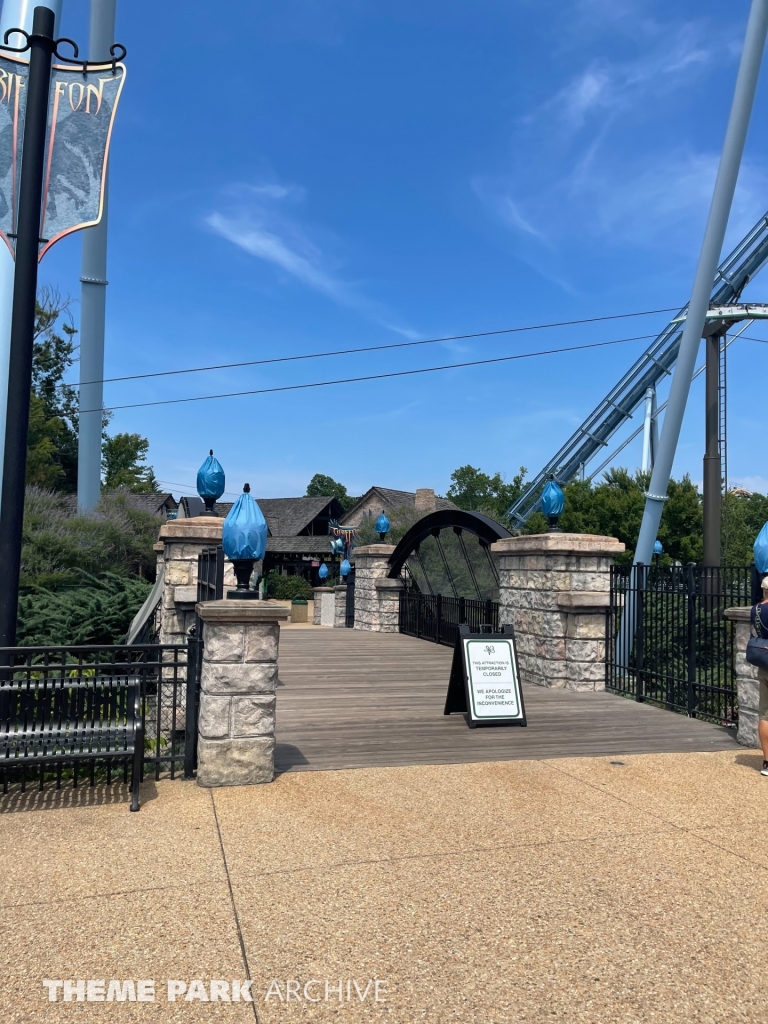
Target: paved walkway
<point x="351" y="699"/>
<point x="578" y="890"/>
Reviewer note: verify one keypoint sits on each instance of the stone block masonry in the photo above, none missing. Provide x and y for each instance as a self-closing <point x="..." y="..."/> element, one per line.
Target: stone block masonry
<point x="747" y="684"/>
<point x="554" y="591"/>
<point x="377" y="598"/>
<point x="179" y="545"/>
<point x="236" y="726"/>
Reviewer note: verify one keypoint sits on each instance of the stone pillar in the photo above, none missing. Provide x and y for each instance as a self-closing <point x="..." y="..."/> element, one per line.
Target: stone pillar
<point x="555" y="591"/>
<point x="324" y="612"/>
<point x="317" y="593"/>
<point x="340" y="606"/>
<point x="377" y="598"/>
<point x="236" y="725"/>
<point x="747" y="685"/>
<point x="182" y="541"/>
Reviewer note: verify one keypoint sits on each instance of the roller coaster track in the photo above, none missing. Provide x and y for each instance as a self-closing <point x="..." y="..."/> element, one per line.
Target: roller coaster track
<point x="746" y="260"/>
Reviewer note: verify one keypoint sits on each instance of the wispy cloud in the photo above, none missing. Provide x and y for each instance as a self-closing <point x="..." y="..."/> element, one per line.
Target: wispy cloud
<point x="257" y="219"/>
<point x="589" y="163"/>
<point x="607" y="86"/>
<point x="274" y="249"/>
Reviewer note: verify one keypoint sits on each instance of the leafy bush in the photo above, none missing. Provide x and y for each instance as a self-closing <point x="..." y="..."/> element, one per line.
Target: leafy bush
<point x="285" y="588"/>
<point x="99" y="613"/>
<point x="58" y="547"/>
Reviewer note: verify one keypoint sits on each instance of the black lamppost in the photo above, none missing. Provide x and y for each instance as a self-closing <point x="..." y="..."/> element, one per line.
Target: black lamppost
<point x="42" y="46"/>
<point x="382" y="526"/>
<point x="552" y="504"/>
<point x="244" y="539"/>
<point x="210" y="483"/>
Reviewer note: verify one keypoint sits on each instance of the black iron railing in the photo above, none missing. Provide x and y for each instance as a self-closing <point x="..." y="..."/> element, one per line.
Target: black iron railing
<point x="168" y="678"/>
<point x="210" y="574"/>
<point x="667" y="640"/>
<point x="437" y="618"/>
<point x="349" y="609"/>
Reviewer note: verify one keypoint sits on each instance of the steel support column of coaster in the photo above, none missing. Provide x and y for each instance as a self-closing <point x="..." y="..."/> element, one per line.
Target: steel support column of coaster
<point x="650" y="431"/>
<point x="713" y="470"/>
<point x="23" y="318"/>
<point x="15" y="14"/>
<point x="696" y="313"/>
<point x="93" y="303"/>
<point x="714" y="235"/>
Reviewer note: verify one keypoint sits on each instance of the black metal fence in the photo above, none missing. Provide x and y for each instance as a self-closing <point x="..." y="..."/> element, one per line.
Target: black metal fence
<point x="349" y="609"/>
<point x="667" y="640"/>
<point x="437" y="618"/>
<point x="168" y="677"/>
<point x="210" y="574"/>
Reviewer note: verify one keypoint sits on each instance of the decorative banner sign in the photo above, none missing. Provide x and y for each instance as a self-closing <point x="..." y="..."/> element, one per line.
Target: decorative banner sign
<point x="484" y="682"/>
<point x="81" y="113"/>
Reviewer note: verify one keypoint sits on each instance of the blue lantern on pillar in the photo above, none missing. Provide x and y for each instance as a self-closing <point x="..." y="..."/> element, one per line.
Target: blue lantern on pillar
<point x="210" y="483"/>
<point x="382" y="526"/>
<point x="244" y="539"/>
<point x="345" y="568"/>
<point x="322" y="572"/>
<point x="760" y="550"/>
<point x="658" y="548"/>
<point x="552" y="503"/>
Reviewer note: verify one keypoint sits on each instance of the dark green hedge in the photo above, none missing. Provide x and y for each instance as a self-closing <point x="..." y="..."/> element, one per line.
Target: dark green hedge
<point x="98" y="612"/>
<point x="285" y="588"/>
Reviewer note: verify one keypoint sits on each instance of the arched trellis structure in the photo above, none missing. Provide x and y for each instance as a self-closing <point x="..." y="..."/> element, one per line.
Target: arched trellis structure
<point x="459" y="522"/>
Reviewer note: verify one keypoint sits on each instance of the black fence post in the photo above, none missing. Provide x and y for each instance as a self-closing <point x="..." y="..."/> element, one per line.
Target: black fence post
<point x="194" y="666"/>
<point x="691" y="640"/>
<point x="439" y="619"/>
<point x="640" y="579"/>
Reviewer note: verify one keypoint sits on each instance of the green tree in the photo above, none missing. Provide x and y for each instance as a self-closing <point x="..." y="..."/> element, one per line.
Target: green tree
<point x="52" y="435"/>
<point x="614" y="508"/>
<point x="744" y="516"/>
<point x="476" y="491"/>
<point x="322" y="486"/>
<point x="122" y="461"/>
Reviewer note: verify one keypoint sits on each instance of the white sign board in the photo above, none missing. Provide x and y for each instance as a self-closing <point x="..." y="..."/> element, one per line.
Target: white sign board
<point x="492" y="680"/>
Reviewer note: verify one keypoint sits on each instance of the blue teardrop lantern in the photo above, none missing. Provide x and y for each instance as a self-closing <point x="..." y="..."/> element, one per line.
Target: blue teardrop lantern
<point x="322" y="572"/>
<point x="760" y="550"/>
<point x="382" y="526"/>
<point x="657" y="548"/>
<point x="552" y="504"/>
<point x="210" y="483"/>
<point x="345" y="568"/>
<point x="244" y="539"/>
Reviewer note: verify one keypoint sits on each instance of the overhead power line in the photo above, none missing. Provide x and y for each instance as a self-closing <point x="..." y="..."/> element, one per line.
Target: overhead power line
<point x="378" y="348"/>
<point x="378" y="376"/>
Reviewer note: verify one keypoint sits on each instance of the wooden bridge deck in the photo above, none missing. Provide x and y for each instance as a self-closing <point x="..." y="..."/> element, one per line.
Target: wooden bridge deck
<point x="351" y="699"/>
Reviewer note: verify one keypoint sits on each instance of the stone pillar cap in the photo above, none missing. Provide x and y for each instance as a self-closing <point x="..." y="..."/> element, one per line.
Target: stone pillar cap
<point x="384" y="550"/>
<point x="742" y="614"/>
<point x="559" y="544"/>
<point x="242" y="611"/>
<point x="202" y="528"/>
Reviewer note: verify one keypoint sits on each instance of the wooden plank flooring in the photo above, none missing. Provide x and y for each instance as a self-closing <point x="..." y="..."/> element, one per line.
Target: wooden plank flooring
<point x="350" y="699"/>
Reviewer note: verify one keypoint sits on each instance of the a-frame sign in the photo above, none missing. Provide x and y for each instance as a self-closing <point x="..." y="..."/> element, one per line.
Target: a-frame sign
<point x="485" y="683"/>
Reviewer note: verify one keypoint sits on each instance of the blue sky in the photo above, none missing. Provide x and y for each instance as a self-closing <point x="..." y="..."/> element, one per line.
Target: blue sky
<point x="305" y="176"/>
